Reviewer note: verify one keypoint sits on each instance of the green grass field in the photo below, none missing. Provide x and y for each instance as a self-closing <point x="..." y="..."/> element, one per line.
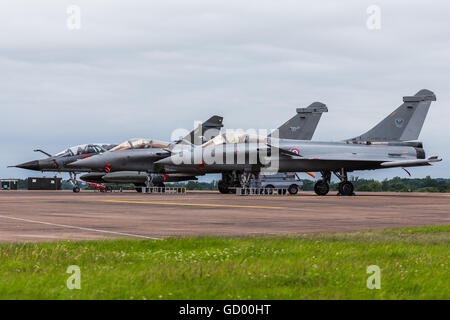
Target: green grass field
<point x="414" y="264"/>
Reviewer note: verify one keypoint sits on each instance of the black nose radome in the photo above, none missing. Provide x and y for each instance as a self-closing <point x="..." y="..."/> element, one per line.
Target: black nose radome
<point x="31" y="165"/>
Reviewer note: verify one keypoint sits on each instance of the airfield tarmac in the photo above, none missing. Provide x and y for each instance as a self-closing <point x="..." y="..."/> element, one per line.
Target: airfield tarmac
<point x="31" y="216"/>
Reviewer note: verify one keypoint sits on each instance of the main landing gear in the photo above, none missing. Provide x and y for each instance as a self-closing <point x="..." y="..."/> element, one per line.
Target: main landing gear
<point x="73" y="180"/>
<point x="345" y="187"/>
<point x="148" y="185"/>
<point x="234" y="180"/>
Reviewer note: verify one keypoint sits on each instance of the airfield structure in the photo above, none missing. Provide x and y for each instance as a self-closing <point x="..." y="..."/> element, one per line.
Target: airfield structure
<point x="41" y="183"/>
<point x="8" y="184"/>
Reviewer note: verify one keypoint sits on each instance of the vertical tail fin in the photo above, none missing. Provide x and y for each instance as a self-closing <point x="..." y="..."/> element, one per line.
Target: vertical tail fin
<point x="405" y="123"/>
<point x="303" y="125"/>
<point x="205" y="131"/>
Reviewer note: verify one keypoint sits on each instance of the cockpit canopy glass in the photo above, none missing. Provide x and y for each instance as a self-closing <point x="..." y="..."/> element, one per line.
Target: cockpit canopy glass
<point x="84" y="149"/>
<point x="138" y="143"/>
<point x="234" y="138"/>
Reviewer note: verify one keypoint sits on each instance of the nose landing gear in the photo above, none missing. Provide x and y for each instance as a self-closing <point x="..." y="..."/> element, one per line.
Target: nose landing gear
<point x="73" y="180"/>
<point x="233" y="179"/>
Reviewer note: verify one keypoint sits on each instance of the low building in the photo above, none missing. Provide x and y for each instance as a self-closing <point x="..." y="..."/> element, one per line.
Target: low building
<point x="44" y="183"/>
<point x="8" y="184"/>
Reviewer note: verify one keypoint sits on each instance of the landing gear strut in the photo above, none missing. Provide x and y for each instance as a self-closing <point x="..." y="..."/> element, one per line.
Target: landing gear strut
<point x="148" y="183"/>
<point x="73" y="180"/>
<point x="234" y="179"/>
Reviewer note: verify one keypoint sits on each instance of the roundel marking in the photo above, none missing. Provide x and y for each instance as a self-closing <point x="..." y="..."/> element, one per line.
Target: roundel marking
<point x="295" y="150"/>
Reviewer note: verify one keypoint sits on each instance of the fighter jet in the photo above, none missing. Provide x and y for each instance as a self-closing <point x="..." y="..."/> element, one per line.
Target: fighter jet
<point x="237" y="156"/>
<point x="133" y="161"/>
<point x="59" y="161"/>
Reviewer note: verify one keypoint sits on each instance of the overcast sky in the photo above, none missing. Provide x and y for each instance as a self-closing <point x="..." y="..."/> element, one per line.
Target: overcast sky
<point x="138" y="69"/>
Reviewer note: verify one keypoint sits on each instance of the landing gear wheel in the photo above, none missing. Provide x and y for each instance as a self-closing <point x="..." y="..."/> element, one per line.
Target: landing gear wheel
<point x="345" y="188"/>
<point x="76" y="189"/>
<point x="293" y="189"/>
<point x="321" y="188"/>
<point x="223" y="187"/>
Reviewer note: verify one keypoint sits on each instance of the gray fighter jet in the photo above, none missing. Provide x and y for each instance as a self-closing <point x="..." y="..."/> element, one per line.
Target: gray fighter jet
<point x="133" y="161"/>
<point x="239" y="155"/>
<point x="59" y="161"/>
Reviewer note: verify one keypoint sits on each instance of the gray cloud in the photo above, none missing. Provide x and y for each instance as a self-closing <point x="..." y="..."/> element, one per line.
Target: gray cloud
<point x="142" y="69"/>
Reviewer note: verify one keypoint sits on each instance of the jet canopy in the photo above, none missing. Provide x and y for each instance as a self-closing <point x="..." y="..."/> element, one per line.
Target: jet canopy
<point x="235" y="138"/>
<point x="84" y="149"/>
<point x="138" y="143"/>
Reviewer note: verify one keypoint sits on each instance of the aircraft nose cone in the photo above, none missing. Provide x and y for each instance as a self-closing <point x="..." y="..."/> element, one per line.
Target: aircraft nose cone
<point x="31" y="165"/>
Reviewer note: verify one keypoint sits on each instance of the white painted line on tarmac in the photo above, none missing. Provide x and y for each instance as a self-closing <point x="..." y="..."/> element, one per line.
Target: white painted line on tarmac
<point x="80" y="228"/>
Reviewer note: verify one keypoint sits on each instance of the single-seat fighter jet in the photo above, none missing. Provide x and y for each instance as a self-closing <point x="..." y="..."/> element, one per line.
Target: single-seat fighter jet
<point x="237" y="156"/>
<point x="133" y="161"/>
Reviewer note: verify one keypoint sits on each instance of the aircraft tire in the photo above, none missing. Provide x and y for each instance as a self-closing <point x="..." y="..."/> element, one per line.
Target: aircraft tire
<point x="76" y="189"/>
<point x="321" y="188"/>
<point x="293" y="189"/>
<point x="346" y="188"/>
<point x="223" y="187"/>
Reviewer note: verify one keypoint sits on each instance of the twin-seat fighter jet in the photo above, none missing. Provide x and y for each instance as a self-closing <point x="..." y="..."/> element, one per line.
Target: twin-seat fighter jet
<point x="239" y="155"/>
<point x="133" y="161"/>
<point x="59" y="161"/>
